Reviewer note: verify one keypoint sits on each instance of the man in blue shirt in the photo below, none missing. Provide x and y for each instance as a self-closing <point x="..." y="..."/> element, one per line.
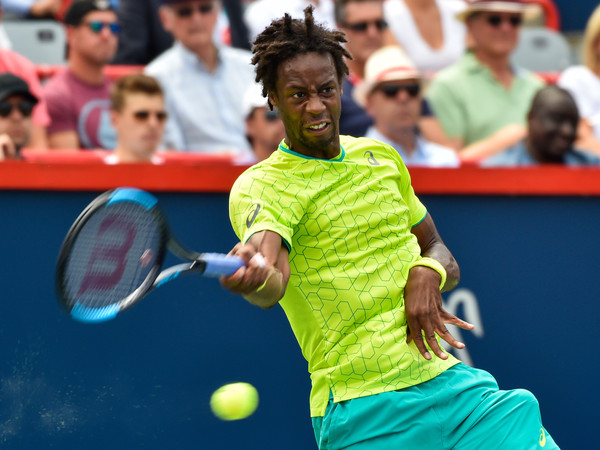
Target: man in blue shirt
<point x="552" y="122"/>
<point x="204" y="83"/>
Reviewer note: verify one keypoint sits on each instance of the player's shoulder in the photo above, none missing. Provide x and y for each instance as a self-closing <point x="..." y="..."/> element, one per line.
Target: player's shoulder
<point x="364" y="148"/>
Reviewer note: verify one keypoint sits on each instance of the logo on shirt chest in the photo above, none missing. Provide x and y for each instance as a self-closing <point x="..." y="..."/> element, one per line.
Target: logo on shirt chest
<point x="371" y="158"/>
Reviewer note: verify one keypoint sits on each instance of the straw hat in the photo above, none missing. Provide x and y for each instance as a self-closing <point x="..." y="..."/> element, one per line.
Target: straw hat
<point x="389" y="63"/>
<point x="529" y="10"/>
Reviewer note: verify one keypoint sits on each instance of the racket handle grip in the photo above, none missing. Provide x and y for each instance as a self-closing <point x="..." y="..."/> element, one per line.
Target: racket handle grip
<point x="218" y="264"/>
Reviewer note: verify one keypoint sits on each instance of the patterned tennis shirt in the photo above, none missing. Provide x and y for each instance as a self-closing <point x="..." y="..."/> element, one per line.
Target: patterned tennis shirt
<point x="347" y="224"/>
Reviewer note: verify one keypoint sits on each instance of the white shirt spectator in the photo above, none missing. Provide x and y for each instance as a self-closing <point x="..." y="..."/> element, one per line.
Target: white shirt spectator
<point x="584" y="86"/>
<point x="260" y="13"/>
<point x="425" y="154"/>
<point x="407" y="34"/>
<point x="205" y="108"/>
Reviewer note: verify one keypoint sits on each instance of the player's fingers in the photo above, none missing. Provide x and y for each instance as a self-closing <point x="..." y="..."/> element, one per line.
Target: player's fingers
<point x="453" y="320"/>
<point x="416" y="335"/>
<point x="431" y="338"/>
<point x="447" y="336"/>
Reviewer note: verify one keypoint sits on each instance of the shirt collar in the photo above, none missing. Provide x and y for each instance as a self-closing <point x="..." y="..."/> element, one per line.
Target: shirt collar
<point x="284" y="148"/>
<point x="190" y="58"/>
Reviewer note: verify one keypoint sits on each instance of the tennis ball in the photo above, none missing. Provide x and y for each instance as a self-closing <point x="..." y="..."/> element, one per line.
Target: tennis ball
<point x="234" y="401"/>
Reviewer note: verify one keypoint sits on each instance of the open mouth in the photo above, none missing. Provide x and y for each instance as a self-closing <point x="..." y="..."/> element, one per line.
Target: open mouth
<point x="318" y="127"/>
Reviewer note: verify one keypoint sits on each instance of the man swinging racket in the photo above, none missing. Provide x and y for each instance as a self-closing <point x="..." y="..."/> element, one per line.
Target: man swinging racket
<point x="331" y="229"/>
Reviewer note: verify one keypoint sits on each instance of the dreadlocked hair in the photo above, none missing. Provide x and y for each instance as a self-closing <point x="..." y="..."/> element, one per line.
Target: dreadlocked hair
<point x="287" y="38"/>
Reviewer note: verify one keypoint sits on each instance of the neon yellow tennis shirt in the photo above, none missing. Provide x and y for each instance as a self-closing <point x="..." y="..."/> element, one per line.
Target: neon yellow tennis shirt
<point x="347" y="224"/>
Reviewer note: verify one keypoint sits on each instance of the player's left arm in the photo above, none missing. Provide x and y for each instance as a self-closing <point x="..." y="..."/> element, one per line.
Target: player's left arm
<point x="422" y="294"/>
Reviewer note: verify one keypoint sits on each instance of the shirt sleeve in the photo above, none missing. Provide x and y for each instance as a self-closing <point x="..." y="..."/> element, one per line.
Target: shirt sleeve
<point x="256" y="205"/>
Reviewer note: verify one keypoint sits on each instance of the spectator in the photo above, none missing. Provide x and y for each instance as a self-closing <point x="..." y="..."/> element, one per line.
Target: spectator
<point x="366" y="30"/>
<point x="391" y="93"/>
<point x="143" y="37"/>
<point x="11" y="62"/>
<point x="482" y="101"/>
<point x="259" y="13"/>
<point x="78" y="98"/>
<point x="203" y="83"/>
<point x="264" y="127"/>
<point x="552" y="121"/>
<point x="16" y="108"/>
<point x="428" y="30"/>
<point x="138" y="115"/>
<point x="584" y="84"/>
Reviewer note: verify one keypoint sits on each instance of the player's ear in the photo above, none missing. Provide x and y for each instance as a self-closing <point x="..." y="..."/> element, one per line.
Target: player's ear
<point x="272" y="98"/>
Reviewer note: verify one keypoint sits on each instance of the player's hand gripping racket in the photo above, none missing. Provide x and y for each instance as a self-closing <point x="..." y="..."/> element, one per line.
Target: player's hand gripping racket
<point x="113" y="255"/>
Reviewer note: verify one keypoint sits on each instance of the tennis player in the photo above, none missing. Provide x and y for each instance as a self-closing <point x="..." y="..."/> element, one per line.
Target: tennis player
<point x="332" y="231"/>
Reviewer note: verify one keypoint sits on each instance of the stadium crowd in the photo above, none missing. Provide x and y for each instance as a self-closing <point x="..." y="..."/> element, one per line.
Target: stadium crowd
<point x="435" y="79"/>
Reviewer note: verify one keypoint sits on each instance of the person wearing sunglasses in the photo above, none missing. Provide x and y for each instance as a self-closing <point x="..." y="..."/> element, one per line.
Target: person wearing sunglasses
<point x="482" y="100"/>
<point x="78" y="97"/>
<point x="138" y="115"/>
<point x="264" y="127"/>
<point x="16" y="108"/>
<point x="391" y="94"/>
<point x="204" y="81"/>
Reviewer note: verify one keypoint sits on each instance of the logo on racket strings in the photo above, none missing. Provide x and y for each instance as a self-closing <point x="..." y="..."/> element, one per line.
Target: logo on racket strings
<point x="252" y="215"/>
<point x="107" y="262"/>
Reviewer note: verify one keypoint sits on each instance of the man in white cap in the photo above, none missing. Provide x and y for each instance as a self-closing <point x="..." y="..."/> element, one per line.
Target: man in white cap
<point x="391" y="94"/>
<point x="264" y="128"/>
<point x="482" y="100"/>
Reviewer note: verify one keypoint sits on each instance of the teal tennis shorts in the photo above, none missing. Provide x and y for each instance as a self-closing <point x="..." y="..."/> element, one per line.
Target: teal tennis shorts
<point x="460" y="409"/>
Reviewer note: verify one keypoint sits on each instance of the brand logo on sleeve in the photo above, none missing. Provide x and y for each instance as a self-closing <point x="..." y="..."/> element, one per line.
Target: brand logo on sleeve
<point x="252" y="215"/>
<point x="371" y="158"/>
<point x="542" y="438"/>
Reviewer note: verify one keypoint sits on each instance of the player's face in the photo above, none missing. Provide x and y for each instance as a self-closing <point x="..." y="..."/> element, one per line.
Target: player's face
<point x="17" y="124"/>
<point x="495" y="33"/>
<point x="553" y="127"/>
<point x="191" y="22"/>
<point x="308" y="96"/>
<point x="93" y="39"/>
<point x="140" y="125"/>
<point x="395" y="105"/>
<point x="364" y="27"/>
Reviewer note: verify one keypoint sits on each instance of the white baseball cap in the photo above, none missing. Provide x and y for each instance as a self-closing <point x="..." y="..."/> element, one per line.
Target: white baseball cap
<point x="252" y="99"/>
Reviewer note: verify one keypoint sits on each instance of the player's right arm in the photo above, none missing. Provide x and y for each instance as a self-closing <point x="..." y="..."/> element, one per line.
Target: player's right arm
<point x="264" y="279"/>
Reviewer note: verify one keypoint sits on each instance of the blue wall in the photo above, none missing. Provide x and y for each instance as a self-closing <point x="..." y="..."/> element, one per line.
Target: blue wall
<point x="143" y="381"/>
<point x="574" y="14"/>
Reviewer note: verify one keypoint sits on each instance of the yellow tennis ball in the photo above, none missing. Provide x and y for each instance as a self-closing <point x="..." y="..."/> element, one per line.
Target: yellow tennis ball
<point x="234" y="401"/>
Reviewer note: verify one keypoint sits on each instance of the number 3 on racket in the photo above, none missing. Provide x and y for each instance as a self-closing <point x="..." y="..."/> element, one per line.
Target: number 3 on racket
<point x="113" y="255"/>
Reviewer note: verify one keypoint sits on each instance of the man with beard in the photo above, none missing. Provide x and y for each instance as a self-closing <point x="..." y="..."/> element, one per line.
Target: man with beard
<point x="78" y="98"/>
<point x="552" y="123"/>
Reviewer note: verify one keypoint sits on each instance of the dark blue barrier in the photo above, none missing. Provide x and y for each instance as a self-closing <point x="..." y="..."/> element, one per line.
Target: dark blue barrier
<point x="143" y="381"/>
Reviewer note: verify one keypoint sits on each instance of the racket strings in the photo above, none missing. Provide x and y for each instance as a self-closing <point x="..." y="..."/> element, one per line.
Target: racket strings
<point x="113" y="255"/>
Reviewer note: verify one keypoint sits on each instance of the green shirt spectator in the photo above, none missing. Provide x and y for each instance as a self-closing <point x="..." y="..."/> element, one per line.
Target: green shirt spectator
<point x="471" y="104"/>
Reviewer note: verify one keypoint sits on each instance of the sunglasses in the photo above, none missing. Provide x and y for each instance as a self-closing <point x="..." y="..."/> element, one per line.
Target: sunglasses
<point x="496" y="21"/>
<point x="144" y="115"/>
<point x="97" y="27"/>
<point x="391" y="90"/>
<point x="25" y="108"/>
<point x="271" y="116"/>
<point x="187" y="11"/>
<point x="361" y="27"/>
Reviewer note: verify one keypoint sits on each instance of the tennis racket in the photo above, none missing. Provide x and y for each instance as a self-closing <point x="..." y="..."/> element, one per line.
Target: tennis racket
<point x="114" y="252"/>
